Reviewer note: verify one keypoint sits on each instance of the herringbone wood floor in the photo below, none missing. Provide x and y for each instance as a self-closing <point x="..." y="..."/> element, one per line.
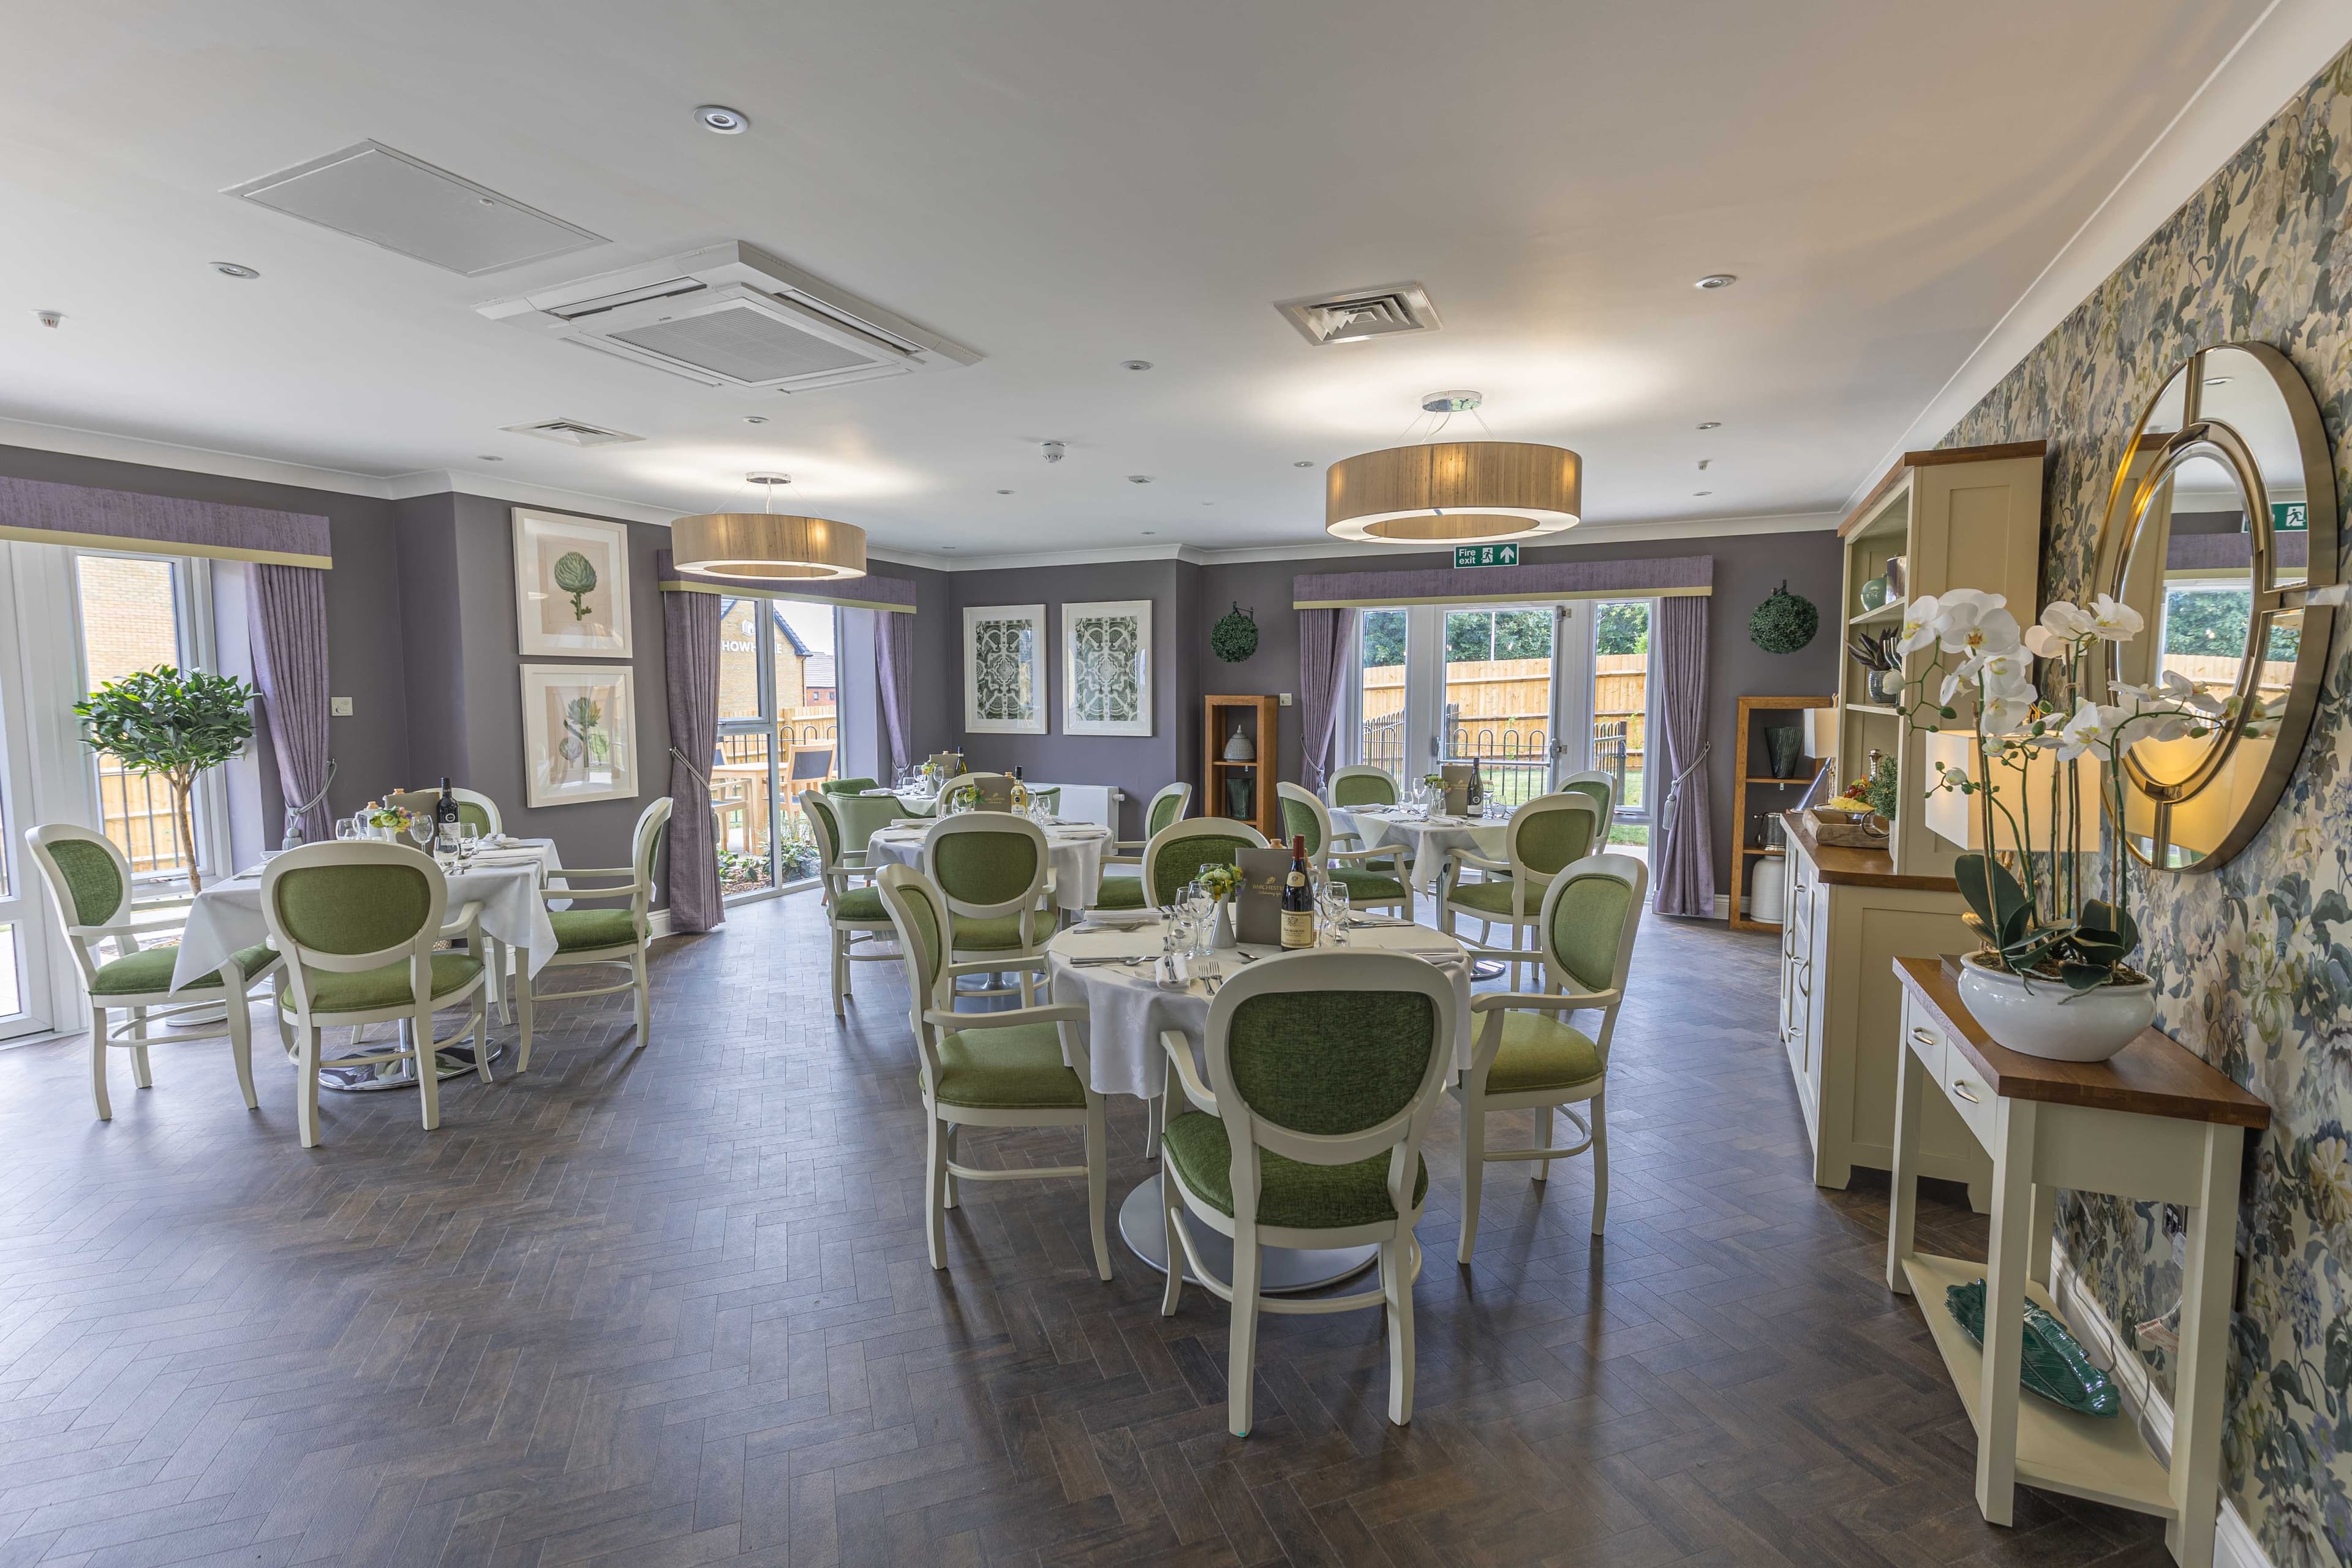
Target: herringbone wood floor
<point x="671" y="1308"/>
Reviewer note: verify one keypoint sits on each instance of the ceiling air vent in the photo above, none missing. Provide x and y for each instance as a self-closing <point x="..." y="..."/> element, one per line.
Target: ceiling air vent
<point x="573" y="433"/>
<point x="1381" y="313"/>
<point x="732" y="316"/>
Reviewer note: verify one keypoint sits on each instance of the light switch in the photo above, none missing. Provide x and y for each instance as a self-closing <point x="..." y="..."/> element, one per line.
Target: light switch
<point x="339" y="707"/>
<point x="1283" y="700"/>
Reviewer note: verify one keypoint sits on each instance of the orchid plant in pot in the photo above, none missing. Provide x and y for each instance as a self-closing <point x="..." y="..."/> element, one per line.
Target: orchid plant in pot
<point x="2052" y="977"/>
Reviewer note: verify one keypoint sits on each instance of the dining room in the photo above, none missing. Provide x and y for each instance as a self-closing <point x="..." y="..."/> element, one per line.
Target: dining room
<point x="1164" y="817"/>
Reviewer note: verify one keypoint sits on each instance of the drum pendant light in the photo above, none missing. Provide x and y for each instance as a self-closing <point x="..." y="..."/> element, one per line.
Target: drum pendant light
<point x="767" y="547"/>
<point x="1453" y="492"/>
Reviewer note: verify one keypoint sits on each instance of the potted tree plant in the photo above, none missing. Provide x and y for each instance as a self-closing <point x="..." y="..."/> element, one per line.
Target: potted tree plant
<point x="172" y="722"/>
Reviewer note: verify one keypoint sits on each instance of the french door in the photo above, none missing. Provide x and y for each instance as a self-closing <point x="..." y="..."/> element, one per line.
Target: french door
<point x="1529" y="693"/>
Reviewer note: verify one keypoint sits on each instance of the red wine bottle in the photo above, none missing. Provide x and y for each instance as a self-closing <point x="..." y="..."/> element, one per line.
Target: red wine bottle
<point x="1297" y="900"/>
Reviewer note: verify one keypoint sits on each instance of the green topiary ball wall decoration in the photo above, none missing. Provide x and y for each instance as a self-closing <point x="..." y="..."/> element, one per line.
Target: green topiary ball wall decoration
<point x="1784" y="622"/>
<point x="1235" y="636"/>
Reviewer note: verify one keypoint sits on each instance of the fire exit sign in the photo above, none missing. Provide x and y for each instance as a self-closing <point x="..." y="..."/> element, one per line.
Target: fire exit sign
<point x="1485" y="555"/>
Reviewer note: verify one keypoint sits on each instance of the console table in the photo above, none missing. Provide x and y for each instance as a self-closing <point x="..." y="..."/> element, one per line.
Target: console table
<point x="2157" y="1125"/>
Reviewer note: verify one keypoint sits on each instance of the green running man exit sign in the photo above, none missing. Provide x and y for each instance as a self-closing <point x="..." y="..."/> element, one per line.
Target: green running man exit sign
<point x="1485" y="555"/>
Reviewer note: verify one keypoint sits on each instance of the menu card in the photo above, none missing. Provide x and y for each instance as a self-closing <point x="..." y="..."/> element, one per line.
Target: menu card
<point x="1457" y="777"/>
<point x="1258" y="908"/>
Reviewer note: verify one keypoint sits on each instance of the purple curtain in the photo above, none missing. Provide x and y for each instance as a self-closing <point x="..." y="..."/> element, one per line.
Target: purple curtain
<point x="1327" y="656"/>
<point x="894" y="670"/>
<point x="691" y="647"/>
<point x="1683" y="865"/>
<point x="288" y="630"/>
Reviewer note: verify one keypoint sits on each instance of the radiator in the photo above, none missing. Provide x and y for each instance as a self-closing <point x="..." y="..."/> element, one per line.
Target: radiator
<point x="1088" y="803"/>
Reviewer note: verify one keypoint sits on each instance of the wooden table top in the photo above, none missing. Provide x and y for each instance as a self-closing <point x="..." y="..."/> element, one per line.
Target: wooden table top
<point x="2154" y="1076"/>
<point x="1843" y="868"/>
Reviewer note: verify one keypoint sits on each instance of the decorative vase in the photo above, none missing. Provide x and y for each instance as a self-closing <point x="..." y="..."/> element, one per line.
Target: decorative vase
<point x="1784" y="742"/>
<point x="2045" y="1019"/>
<point x="1238" y="747"/>
<point x="1225" y="933"/>
<point x="1887" y="686"/>
<point x="1237" y="800"/>
<point x="1895" y="586"/>
<point x="1874" y="594"/>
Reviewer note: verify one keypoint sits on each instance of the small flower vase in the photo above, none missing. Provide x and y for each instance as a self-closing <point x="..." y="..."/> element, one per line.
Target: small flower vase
<point x="1874" y="594"/>
<point x="1224" y="934"/>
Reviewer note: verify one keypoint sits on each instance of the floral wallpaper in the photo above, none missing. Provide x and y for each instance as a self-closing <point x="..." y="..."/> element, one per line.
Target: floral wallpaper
<point x="2253" y="961"/>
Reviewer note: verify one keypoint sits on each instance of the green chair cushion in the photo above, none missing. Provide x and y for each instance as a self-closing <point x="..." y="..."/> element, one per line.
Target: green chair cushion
<point x="1366" y="886"/>
<point x="859" y="904"/>
<point x="149" y="970"/>
<point x="578" y="930"/>
<point x="1015" y="1069"/>
<point x="1290" y="1193"/>
<point x="93" y="881"/>
<point x="1539" y="1052"/>
<point x="998" y="935"/>
<point x="387" y="987"/>
<point x="1364" y="789"/>
<point x="1549" y="841"/>
<point x="1120" y="893"/>
<point x="1493" y="898"/>
<point x="847" y="786"/>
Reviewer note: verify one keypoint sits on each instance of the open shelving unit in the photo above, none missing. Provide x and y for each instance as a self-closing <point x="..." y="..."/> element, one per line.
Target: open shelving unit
<point x="1755" y="795"/>
<point x="1259" y="719"/>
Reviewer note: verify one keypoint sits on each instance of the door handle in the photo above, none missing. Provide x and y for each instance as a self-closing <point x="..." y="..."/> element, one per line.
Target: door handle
<point x="1925" y="1036"/>
<point x="1961" y="1088"/>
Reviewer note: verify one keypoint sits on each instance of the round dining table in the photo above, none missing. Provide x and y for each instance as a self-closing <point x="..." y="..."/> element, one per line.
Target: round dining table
<point x="1429" y="838"/>
<point x="1077" y="850"/>
<point x="1111" y="966"/>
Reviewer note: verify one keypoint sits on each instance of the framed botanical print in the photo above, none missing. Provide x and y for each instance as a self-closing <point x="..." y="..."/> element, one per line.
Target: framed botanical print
<point x="1005" y="670"/>
<point x="579" y="732"/>
<point x="572" y="585"/>
<point x="1107" y="667"/>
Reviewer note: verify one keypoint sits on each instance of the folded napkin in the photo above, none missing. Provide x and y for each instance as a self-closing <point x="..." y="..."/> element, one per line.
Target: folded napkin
<point x="1120" y="920"/>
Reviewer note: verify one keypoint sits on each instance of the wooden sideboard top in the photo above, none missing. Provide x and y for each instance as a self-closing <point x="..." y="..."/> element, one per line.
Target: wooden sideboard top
<point x="2154" y="1076"/>
<point x="1857" y="868"/>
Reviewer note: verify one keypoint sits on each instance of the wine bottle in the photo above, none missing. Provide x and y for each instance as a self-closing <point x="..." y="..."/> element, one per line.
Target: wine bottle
<point x="1297" y="900"/>
<point x="445" y="813"/>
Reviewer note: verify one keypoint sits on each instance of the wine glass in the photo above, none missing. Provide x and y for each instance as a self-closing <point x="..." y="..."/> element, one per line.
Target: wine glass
<point x="420" y="828"/>
<point x="1335" y="913"/>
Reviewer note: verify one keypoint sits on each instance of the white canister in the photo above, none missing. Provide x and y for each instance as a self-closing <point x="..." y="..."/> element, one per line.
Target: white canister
<point x="1764" y="895"/>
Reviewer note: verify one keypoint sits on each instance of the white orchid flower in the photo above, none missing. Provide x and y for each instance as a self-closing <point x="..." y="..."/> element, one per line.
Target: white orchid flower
<point x="1918" y="624"/>
<point x="2043" y="643"/>
<point x="2092" y="726"/>
<point x="1976" y="624"/>
<point x="2114" y="620"/>
<point x="2152" y="714"/>
<point x="2008" y="707"/>
<point x="2063" y="618"/>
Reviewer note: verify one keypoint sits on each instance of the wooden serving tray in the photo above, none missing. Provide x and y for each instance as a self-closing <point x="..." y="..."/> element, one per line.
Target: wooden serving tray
<point x="1841" y="834"/>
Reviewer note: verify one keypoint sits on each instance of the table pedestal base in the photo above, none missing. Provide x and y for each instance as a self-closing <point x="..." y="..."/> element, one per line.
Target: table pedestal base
<point x="1284" y="1269"/>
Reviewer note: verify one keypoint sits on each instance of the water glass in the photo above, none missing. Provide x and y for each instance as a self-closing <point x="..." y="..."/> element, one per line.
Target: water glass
<point x="347" y="827"/>
<point x="1335" y="913"/>
<point x="1176" y="934"/>
<point x="469" y="842"/>
<point x="444" y="844"/>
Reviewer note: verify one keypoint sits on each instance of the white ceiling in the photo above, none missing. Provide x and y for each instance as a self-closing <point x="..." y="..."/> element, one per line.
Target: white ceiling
<point x="1067" y="183"/>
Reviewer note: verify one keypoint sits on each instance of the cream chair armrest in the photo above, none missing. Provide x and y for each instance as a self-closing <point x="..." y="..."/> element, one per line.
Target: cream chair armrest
<point x="1178" y="1047"/>
<point x="567" y="872"/>
<point x="1122" y="860"/>
<point x="170" y="902"/>
<point x="1386" y="852"/>
<point x="1538" y="1001"/>
<point x="1059" y="1013"/>
<point x="1477" y="862"/>
<point x="576" y="895"/>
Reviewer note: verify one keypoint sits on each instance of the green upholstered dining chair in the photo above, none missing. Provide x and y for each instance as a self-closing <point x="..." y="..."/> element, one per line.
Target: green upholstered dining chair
<point x="1547" y="833"/>
<point x="89" y="879"/>
<point x="1375" y="879"/>
<point x="472" y="806"/>
<point x="1528" y="1057"/>
<point x="1048" y="797"/>
<point x="357" y="923"/>
<point x="1360" y="783"/>
<point x="993" y="869"/>
<point x="1601" y="786"/>
<point x="1324" y="1070"/>
<point x="1126" y="892"/>
<point x="613" y="936"/>
<point x="848" y="786"/>
<point x="853" y="908"/>
<point x="994" y="791"/>
<point x="1178" y="851"/>
<point x="858" y="817"/>
<point x="1022" y="1067"/>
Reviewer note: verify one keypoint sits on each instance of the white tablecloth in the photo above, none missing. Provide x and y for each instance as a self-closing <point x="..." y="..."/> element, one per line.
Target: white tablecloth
<point x="1078" y="856"/>
<point x="1428" y="840"/>
<point x="226" y="916"/>
<point x="1128" y="1009"/>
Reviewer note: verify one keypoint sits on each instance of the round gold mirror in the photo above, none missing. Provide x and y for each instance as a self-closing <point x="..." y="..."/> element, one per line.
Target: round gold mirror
<point x="2219" y="527"/>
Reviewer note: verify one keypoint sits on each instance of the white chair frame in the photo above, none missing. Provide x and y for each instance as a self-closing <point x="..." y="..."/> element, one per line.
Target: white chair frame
<point x="1028" y="904"/>
<point x="1562" y="995"/>
<point x="1399" y="855"/>
<point x="1359" y="770"/>
<point x="638" y="888"/>
<point x="1527" y="884"/>
<point x="464" y="796"/>
<point x="146" y="1009"/>
<point x="981" y="781"/>
<point x="1401" y="1135"/>
<point x="299" y="1023"/>
<point x="838" y="871"/>
<point x="1183" y="793"/>
<point x="932" y="1013"/>
<point x="1608" y="783"/>
<point x="1192" y="827"/>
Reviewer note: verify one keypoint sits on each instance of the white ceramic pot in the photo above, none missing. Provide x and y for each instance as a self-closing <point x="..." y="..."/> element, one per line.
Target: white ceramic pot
<point x="1225" y="933"/>
<point x="2051" y="1022"/>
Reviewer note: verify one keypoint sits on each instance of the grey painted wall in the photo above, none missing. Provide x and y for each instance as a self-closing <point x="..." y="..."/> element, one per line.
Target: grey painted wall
<point x="1187" y="599"/>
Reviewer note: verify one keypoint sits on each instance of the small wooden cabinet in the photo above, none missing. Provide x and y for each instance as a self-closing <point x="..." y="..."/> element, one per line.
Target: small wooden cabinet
<point x="1242" y="788"/>
<point x="1757" y="797"/>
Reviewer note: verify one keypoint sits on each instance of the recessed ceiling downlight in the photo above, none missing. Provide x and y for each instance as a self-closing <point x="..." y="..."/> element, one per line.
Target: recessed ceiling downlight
<point x="726" y="121"/>
<point x="235" y="269"/>
<point x="1453" y="492"/>
<point x="768" y="546"/>
<point x="1716" y="280"/>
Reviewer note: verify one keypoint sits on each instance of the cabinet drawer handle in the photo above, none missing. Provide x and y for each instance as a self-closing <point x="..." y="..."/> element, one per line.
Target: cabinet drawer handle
<point x="1961" y="1088"/>
<point x="1925" y="1036"/>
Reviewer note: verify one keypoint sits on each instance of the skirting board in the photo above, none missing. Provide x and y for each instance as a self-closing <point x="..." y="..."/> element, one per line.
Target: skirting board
<point x="2235" y="1545"/>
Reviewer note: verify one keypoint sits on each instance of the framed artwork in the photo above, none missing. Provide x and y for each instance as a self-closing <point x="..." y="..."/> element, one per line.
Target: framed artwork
<point x="572" y="585"/>
<point x="579" y="732"/>
<point x="1107" y="667"/>
<point x="1005" y="670"/>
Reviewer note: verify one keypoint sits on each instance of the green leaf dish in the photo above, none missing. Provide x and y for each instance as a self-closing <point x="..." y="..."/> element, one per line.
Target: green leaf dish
<point x="2052" y="1363"/>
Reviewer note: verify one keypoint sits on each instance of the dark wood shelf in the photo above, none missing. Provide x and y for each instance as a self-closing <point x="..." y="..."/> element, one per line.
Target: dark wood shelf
<point x="1752" y="708"/>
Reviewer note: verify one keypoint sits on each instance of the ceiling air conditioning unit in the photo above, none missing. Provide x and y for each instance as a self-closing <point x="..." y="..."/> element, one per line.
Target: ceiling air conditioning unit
<point x="734" y="316"/>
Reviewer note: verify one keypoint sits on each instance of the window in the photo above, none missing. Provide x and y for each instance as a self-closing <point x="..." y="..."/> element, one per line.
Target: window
<point x="1498" y="699"/>
<point x="1621" y="709"/>
<point x="778" y="734"/>
<point x="135" y="613"/>
<point x="1379" y="691"/>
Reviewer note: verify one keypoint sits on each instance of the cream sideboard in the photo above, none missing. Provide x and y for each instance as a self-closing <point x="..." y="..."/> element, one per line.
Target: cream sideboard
<point x="2154" y="1125"/>
<point x="1848" y="916"/>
